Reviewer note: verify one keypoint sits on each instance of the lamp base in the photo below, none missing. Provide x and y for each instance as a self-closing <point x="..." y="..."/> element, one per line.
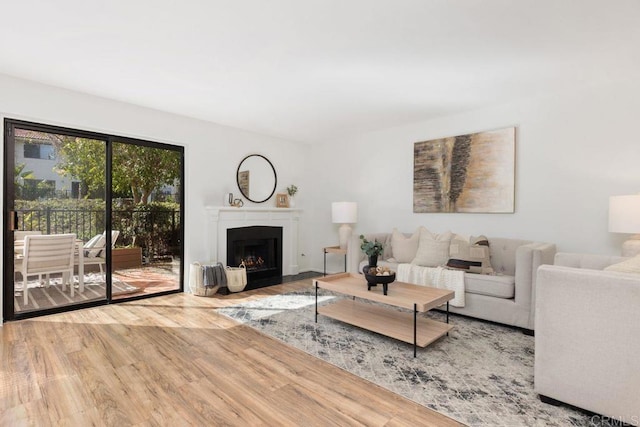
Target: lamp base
<point x="345" y="233"/>
<point x="631" y="247"/>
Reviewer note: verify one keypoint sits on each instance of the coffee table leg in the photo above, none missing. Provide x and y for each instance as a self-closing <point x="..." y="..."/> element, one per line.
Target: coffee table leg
<point x="447" y="315"/>
<point x="415" y="330"/>
<point x="316" y="301"/>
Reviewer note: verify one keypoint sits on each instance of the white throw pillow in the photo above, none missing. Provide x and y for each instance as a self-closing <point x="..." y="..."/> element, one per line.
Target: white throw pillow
<point x="404" y="248"/>
<point x="94" y="246"/>
<point x="433" y="249"/>
<point x="631" y="265"/>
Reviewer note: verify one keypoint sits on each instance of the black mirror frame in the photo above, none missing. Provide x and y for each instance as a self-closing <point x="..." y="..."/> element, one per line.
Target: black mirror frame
<point x="275" y="178"/>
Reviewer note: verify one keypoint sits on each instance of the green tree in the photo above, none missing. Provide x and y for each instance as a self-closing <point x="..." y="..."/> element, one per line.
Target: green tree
<point x="143" y="170"/>
<point x="137" y="171"/>
<point x="83" y="159"/>
<point x="19" y="175"/>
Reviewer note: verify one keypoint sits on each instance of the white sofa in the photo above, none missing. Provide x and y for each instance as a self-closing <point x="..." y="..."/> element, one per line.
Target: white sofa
<point x="587" y="345"/>
<point x="506" y="297"/>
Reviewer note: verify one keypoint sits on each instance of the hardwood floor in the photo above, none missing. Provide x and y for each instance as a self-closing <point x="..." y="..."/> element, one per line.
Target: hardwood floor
<point x="172" y="360"/>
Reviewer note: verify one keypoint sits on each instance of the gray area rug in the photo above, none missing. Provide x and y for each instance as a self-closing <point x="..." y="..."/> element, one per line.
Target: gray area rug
<point x="480" y="375"/>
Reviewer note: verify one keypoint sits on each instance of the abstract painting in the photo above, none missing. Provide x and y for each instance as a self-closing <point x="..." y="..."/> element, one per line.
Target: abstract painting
<point x="465" y="173"/>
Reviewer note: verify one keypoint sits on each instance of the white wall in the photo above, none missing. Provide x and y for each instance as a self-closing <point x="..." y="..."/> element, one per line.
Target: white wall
<point x="573" y="151"/>
<point x="212" y="152"/>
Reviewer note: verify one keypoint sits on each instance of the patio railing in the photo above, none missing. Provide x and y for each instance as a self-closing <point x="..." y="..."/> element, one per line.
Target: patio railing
<point x="157" y="231"/>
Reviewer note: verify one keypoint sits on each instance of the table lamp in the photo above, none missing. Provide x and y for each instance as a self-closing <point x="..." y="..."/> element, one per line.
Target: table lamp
<point x="624" y="217"/>
<point x="344" y="213"/>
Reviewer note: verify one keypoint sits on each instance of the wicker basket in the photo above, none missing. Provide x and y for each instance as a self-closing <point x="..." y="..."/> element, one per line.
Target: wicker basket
<point x="236" y="278"/>
<point x="196" y="282"/>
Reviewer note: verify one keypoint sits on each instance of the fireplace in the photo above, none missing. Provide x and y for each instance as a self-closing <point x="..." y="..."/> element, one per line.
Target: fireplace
<point x="260" y="249"/>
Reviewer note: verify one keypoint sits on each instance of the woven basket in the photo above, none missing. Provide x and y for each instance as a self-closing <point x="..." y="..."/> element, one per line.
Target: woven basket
<point x="236" y="278"/>
<point x="196" y="282"/>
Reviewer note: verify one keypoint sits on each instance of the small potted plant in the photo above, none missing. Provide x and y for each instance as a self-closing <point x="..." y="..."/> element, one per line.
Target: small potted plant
<point x="291" y="191"/>
<point x="371" y="249"/>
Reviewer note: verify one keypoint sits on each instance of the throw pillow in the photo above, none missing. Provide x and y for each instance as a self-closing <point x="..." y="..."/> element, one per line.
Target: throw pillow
<point x="94" y="246"/>
<point x="433" y="249"/>
<point x="471" y="255"/>
<point x="631" y="265"/>
<point x="404" y="248"/>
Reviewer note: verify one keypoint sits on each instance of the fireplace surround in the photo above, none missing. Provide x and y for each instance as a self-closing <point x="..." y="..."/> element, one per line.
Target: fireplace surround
<point x="222" y="218"/>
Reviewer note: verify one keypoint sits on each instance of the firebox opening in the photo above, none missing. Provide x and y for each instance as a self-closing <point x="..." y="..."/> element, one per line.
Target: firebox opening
<point x="260" y="249"/>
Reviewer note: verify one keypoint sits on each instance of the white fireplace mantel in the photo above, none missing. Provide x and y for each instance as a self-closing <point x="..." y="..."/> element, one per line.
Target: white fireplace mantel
<point x="221" y="218"/>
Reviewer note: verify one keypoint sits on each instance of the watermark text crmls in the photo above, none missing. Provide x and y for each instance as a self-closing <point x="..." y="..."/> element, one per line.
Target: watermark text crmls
<point x="633" y="420"/>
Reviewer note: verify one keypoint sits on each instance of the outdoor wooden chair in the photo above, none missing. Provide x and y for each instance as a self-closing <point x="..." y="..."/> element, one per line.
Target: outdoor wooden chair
<point x="18" y="246"/>
<point x="47" y="254"/>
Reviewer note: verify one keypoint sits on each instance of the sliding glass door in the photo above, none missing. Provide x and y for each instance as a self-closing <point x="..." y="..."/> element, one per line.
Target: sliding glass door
<point x="55" y="185"/>
<point x="146" y="218"/>
<point x="118" y="200"/>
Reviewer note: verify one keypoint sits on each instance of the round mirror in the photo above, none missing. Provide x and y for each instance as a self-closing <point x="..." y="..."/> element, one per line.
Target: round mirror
<point x="256" y="178"/>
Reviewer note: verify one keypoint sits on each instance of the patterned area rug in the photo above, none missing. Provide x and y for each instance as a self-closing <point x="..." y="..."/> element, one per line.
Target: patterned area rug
<point x="481" y="374"/>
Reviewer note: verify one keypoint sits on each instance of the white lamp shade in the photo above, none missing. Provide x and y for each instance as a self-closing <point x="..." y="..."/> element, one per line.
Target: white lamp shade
<point x="624" y="214"/>
<point x="344" y="212"/>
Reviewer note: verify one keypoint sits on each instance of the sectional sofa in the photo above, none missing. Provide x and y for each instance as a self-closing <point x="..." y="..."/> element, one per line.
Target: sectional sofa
<point x="507" y="296"/>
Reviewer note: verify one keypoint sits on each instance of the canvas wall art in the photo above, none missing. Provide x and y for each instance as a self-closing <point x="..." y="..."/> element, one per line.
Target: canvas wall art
<point x="465" y="173"/>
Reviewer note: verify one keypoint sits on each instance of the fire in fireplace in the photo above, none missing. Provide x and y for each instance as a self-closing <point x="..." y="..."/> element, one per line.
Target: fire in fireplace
<point x="259" y="248"/>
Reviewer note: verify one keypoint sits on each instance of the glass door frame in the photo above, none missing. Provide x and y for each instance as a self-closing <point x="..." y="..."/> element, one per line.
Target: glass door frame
<point x="8" y="217"/>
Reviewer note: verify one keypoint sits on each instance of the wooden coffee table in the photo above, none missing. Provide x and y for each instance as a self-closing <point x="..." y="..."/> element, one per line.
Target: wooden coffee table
<point x="392" y="323"/>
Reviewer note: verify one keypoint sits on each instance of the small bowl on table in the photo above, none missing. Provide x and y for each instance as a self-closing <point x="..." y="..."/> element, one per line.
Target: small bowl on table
<point x="375" y="280"/>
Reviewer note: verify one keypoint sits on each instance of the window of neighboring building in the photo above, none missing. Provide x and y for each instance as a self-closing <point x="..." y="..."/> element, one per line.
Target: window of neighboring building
<point x="39" y="151"/>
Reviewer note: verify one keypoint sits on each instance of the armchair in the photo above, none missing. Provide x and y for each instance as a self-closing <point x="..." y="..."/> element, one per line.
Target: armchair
<point x="587" y="351"/>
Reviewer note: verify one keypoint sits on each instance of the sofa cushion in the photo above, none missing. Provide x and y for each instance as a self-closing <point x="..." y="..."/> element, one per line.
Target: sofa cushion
<point x="499" y="286"/>
<point x="632" y="265"/>
<point x="433" y="249"/>
<point x="404" y="248"/>
<point x="470" y="254"/>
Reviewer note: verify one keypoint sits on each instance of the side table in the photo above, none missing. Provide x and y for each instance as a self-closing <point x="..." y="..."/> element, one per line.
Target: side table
<point x="334" y="250"/>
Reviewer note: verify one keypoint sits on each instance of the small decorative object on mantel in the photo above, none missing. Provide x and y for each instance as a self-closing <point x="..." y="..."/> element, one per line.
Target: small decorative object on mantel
<point x="371" y="249"/>
<point x="237" y="203"/>
<point x="291" y="191"/>
<point x="282" y="200"/>
<point x="379" y="275"/>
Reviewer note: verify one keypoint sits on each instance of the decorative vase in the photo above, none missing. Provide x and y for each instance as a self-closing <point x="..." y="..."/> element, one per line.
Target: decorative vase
<point x="292" y="202"/>
<point x="373" y="260"/>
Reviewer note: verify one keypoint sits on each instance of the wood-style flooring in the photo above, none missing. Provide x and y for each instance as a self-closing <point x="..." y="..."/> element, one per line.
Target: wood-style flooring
<point x="172" y="360"/>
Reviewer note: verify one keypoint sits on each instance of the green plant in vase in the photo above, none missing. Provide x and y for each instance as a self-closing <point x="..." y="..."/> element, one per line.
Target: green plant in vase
<point x="291" y="191"/>
<point x="371" y="249"/>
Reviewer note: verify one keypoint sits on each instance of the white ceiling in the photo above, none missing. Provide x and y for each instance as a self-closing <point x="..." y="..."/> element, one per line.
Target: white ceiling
<point x="312" y="70"/>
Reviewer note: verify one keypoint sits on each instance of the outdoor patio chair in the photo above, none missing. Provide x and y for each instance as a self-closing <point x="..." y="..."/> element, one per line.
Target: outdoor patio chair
<point x="47" y="254"/>
<point x="20" y="234"/>
<point x="18" y="247"/>
<point x="94" y="250"/>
